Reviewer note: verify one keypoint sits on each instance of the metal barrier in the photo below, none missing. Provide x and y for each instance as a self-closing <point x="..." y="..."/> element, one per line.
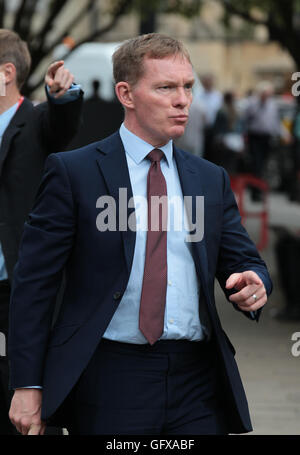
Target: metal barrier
<point x="239" y="183"/>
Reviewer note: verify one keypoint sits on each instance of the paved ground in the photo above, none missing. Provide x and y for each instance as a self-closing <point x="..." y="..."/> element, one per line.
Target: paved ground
<point x="271" y="374"/>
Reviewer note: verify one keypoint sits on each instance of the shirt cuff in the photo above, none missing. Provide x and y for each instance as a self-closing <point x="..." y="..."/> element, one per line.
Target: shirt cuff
<point x="71" y="95"/>
<point x="30" y="387"/>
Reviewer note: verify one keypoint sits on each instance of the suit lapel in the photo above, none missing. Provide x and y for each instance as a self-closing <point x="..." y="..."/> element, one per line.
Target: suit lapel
<point x="112" y="164"/>
<point x="113" y="167"/>
<point x="192" y="185"/>
<point x="13" y="129"/>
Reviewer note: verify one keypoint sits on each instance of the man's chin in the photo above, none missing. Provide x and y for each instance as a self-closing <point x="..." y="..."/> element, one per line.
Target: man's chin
<point x="177" y="132"/>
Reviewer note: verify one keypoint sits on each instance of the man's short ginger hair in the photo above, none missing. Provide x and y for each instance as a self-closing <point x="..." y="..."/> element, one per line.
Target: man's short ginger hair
<point x="128" y="59"/>
<point x="14" y="50"/>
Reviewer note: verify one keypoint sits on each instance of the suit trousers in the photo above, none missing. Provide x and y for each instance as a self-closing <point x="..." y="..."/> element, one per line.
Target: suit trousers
<point x="171" y="387"/>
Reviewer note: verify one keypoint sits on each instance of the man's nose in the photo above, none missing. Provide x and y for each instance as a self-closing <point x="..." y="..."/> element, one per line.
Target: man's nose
<point x="181" y="98"/>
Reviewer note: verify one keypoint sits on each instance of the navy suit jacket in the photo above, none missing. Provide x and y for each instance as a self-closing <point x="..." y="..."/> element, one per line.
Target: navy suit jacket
<point x="32" y="135"/>
<point x="61" y="234"/>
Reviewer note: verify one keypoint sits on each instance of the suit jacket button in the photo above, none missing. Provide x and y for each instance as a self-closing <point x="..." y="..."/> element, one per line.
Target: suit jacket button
<point x="117" y="295"/>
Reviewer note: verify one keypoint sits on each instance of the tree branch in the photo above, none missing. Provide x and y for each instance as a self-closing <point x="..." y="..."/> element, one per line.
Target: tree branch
<point x="77" y="19"/>
<point x="2" y="13"/>
<point x="121" y="9"/>
<point x="26" y="19"/>
<point x="56" y="8"/>
<point x="18" y="18"/>
<point x="37" y="52"/>
<point x="231" y="9"/>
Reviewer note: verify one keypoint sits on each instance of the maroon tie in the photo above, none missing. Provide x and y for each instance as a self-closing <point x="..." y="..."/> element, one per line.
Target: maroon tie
<point x="153" y="298"/>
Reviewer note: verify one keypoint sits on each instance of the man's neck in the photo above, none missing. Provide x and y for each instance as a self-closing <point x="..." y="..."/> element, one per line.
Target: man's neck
<point x="10" y="99"/>
<point x="156" y="143"/>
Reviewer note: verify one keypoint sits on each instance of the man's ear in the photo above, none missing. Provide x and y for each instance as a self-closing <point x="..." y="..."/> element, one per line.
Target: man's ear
<point x="124" y="94"/>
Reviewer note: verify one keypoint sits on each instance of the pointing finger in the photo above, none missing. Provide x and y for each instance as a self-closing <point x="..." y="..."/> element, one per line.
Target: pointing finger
<point x="51" y="72"/>
<point x="232" y="280"/>
<point x="55" y="66"/>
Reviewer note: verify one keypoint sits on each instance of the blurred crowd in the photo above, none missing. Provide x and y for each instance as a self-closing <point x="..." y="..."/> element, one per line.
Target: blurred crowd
<point x="258" y="134"/>
<point x="255" y="137"/>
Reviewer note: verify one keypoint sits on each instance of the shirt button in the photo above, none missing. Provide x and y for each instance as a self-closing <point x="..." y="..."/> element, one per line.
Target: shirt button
<point x="117" y="295"/>
<point x="170" y="283"/>
<point x="171" y="321"/>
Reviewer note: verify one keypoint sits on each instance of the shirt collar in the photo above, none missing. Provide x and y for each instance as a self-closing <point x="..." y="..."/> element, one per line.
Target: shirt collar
<point x="6" y="117"/>
<point x="138" y="149"/>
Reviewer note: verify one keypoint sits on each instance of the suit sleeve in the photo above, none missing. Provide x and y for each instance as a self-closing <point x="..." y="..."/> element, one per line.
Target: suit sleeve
<point x="60" y="123"/>
<point x="45" y="247"/>
<point x="237" y="251"/>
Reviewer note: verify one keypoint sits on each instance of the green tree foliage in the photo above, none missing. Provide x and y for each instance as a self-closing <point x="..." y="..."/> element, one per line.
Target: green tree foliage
<point x="26" y="11"/>
<point x="280" y="17"/>
<point x="23" y="22"/>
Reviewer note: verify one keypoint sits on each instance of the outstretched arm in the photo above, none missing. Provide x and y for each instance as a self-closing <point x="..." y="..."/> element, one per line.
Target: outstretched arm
<point x="241" y="271"/>
<point x="62" y="114"/>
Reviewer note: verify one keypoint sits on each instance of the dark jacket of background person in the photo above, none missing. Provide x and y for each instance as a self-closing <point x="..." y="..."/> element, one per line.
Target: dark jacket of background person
<point x="100" y="118"/>
<point x="228" y="139"/>
<point x="33" y="133"/>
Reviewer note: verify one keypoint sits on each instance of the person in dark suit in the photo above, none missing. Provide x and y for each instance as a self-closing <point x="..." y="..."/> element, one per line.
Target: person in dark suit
<point x="28" y="134"/>
<point x="138" y="346"/>
<point x="100" y="118"/>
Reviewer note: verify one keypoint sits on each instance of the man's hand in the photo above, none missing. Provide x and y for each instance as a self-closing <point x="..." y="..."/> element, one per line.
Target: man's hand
<point x="58" y="79"/>
<point x="25" y="412"/>
<point x="252" y="293"/>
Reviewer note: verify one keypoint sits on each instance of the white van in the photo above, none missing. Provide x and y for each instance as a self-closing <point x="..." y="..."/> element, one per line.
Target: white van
<point x="92" y="61"/>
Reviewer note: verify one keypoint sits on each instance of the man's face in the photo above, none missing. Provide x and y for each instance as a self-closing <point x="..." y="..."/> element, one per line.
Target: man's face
<point x="161" y="100"/>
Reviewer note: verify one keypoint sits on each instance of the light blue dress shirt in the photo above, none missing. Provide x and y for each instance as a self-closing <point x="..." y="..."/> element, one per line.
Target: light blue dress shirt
<point x="182" y="301"/>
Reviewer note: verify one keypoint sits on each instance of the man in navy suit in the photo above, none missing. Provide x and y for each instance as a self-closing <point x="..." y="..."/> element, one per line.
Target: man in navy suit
<point x="110" y="365"/>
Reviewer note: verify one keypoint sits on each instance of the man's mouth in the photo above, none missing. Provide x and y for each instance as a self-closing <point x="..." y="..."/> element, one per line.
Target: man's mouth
<point x="181" y="118"/>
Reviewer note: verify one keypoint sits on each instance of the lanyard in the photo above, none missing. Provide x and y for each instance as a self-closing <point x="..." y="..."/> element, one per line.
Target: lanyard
<point x="20" y="102"/>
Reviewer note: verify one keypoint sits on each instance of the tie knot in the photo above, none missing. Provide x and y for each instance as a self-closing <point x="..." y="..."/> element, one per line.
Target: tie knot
<point x="155" y="155"/>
